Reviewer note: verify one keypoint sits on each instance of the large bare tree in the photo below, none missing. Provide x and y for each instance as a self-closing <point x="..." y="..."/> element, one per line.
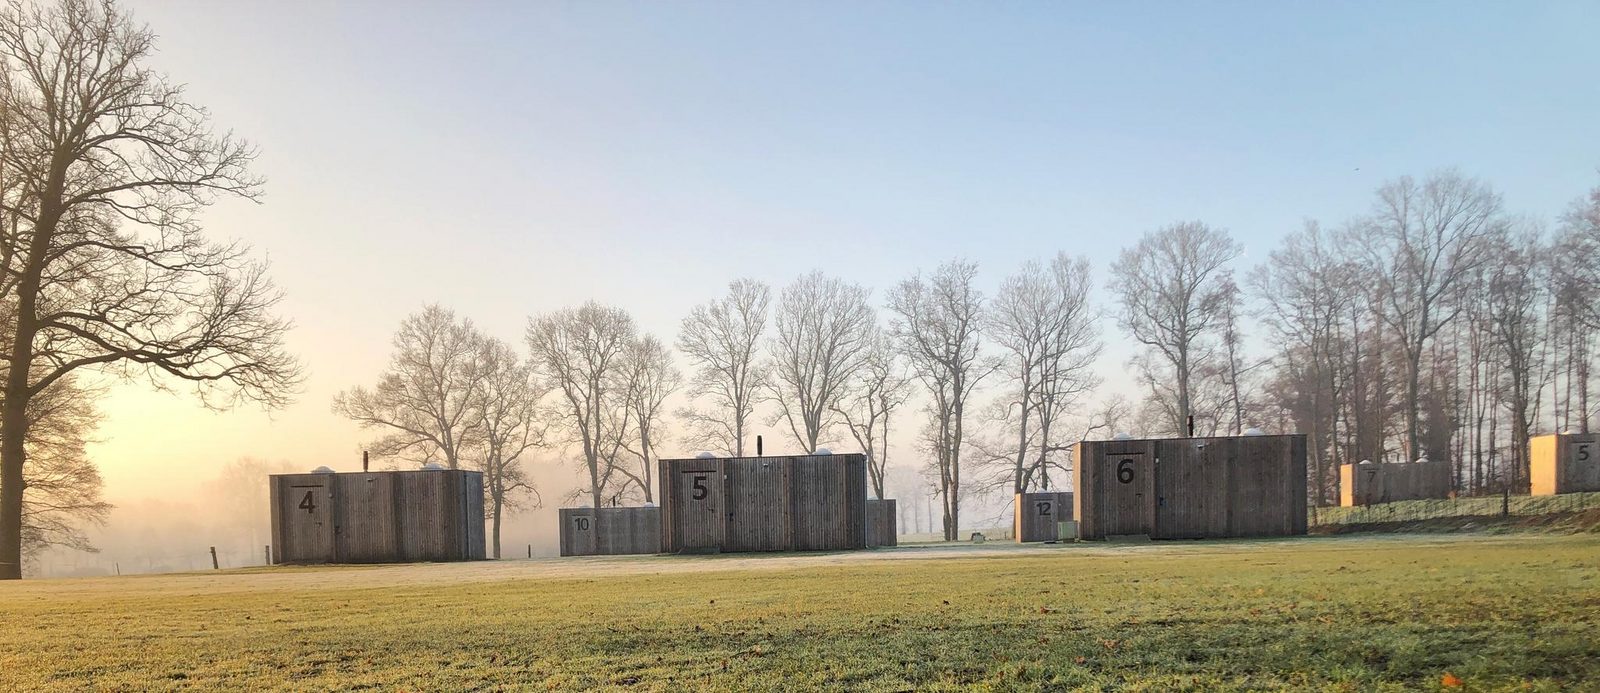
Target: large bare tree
<point x="1418" y="243"/>
<point x="505" y="411"/>
<point x="582" y="355"/>
<point x="722" y="340"/>
<point x="651" y="380"/>
<point x="1043" y="321"/>
<point x="824" y="331"/>
<point x="64" y="486"/>
<point x="425" y="400"/>
<point x="878" y="389"/>
<point x="104" y="168"/>
<point x="1172" y="287"/>
<point x="936" y="325"/>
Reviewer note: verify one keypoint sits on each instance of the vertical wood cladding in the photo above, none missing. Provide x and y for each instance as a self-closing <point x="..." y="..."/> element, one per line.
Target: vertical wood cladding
<point x="377" y="517"/>
<point x="780" y="503"/>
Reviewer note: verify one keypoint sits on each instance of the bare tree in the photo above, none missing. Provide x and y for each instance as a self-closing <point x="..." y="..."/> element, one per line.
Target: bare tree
<point x="424" y="400"/>
<point x="1304" y="289"/>
<point x="1044" y="322"/>
<point x="824" y="331"/>
<point x="879" y="388"/>
<point x="722" y="340"/>
<point x="64" y="486"/>
<point x="1515" y="301"/>
<point x="505" y="413"/>
<point x="102" y="172"/>
<point x="1418" y="243"/>
<point x="1173" y="287"/>
<point x="651" y="379"/>
<point x="936" y="326"/>
<point x="582" y="355"/>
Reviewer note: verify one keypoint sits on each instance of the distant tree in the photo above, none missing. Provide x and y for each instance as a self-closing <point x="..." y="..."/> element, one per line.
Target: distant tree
<point x="103" y="168"/>
<point x="424" y="400"/>
<point x="241" y="500"/>
<point x="1043" y="321"/>
<point x="1173" y="288"/>
<point x="936" y="325"/>
<point x="1517" y="293"/>
<point x="63" y="486"/>
<point x="878" y="389"/>
<point x="505" y="411"/>
<point x="722" y="341"/>
<point x="651" y="379"/>
<point x="1419" y="242"/>
<point x="581" y="354"/>
<point x="824" y="330"/>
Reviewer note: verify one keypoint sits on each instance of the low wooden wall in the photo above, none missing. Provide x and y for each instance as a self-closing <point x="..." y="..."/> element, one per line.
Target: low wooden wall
<point x="377" y="517"/>
<point x="794" y="503"/>
<point x="610" y="531"/>
<point x="882" y="522"/>
<point x="1370" y="483"/>
<point x="1563" y="463"/>
<point x="1037" y="516"/>
<point x="1191" y="488"/>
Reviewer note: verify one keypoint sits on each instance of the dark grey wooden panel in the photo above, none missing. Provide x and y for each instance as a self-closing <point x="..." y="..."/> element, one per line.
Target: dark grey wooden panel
<point x="1037" y="515"/>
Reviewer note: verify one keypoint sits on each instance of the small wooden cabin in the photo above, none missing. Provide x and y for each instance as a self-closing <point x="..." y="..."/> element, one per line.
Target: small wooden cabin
<point x="610" y="531"/>
<point x="781" y="503"/>
<point x="1038" y="516"/>
<point x="882" y="522"/>
<point x="1369" y="483"/>
<point x="377" y="517"/>
<point x="1191" y="488"/>
<point x="1563" y="463"/>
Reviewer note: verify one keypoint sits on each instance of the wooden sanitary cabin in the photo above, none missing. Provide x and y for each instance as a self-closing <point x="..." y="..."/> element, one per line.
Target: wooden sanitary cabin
<point x="377" y="517"/>
<point x="610" y="531"/>
<point x="1191" y="488"/>
<point x="1563" y="463"/>
<point x="1369" y="483"/>
<point x="778" y="503"/>
<point x="1038" y="516"/>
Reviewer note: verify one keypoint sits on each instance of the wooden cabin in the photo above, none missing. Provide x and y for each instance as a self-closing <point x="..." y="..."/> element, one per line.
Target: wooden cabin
<point x="1563" y="463"/>
<point x="1370" y="483"/>
<point x="780" y="503"/>
<point x="377" y="517"/>
<point x="1038" y="516"/>
<point x="1191" y="488"/>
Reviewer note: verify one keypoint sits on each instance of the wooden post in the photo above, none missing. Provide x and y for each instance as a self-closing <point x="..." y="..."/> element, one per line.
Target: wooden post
<point x="267" y="552"/>
<point x="530" y="551"/>
<point x="214" y="565"/>
<point x="1505" y="501"/>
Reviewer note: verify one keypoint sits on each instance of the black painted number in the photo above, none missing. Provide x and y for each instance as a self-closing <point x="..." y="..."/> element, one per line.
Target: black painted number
<point x="583" y="523"/>
<point x="1583" y="452"/>
<point x="309" y="503"/>
<point x="700" y="490"/>
<point x="1044" y="507"/>
<point x="1125" y="471"/>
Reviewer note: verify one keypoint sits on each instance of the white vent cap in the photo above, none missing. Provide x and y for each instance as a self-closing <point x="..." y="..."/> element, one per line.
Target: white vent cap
<point x="705" y="455"/>
<point x="1122" y="435"/>
<point x="433" y="465"/>
<point x="1253" y="431"/>
<point x="324" y="469"/>
<point x="822" y="451"/>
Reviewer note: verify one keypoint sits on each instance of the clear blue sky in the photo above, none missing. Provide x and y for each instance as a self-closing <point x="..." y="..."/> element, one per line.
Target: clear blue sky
<point x="511" y="158"/>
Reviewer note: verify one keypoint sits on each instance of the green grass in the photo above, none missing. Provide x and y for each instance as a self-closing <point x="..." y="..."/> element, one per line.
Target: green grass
<point x="1342" y="613"/>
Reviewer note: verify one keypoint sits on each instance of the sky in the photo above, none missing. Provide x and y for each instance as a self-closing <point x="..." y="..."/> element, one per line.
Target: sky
<point x="506" y="159"/>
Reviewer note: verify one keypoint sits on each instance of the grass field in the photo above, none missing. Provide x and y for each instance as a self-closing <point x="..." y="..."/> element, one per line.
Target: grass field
<point x="1341" y="613"/>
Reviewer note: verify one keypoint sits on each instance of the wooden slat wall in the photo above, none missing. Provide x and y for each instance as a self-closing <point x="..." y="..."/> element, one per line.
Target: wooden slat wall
<point x="1036" y="516"/>
<point x="883" y="522"/>
<point x="1372" y="483"/>
<point x="764" y="503"/>
<point x="1191" y="487"/>
<point x="378" y="517"/>
<point x="1565" y="463"/>
<point x="610" y="531"/>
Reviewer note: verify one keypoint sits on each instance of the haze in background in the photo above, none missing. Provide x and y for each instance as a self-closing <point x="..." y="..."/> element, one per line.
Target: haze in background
<point x="506" y="159"/>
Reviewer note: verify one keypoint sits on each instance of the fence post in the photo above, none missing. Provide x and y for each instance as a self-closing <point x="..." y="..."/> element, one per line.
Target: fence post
<point x="267" y="552"/>
<point x="1505" y="501"/>
<point x="214" y="565"/>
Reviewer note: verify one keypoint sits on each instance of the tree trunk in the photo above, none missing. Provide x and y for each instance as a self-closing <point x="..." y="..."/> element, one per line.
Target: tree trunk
<point x="498" y="500"/>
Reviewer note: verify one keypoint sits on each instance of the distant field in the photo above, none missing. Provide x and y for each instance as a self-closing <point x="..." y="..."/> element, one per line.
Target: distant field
<point x="1350" y="613"/>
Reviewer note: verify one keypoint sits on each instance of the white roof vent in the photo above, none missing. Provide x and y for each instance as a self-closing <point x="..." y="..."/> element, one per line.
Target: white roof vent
<point x="1122" y="435"/>
<point x="433" y="465"/>
<point x="1366" y="462"/>
<point x="1253" y="431"/>
<point x="822" y="451"/>
<point x="705" y="455"/>
<point x="1422" y="459"/>
<point x="324" y="469"/>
